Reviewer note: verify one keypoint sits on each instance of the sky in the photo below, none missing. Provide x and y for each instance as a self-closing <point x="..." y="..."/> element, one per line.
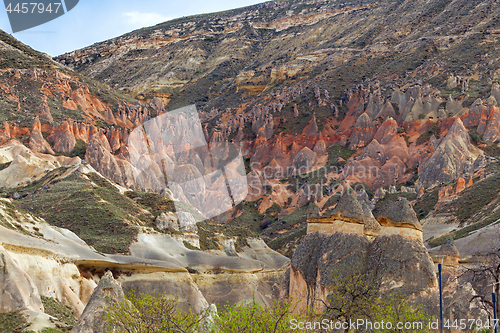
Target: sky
<point x="93" y="21"/>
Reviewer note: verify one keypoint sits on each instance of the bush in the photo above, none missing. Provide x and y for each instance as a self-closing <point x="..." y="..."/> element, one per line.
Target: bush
<point x="253" y="318"/>
<point x="143" y="313"/>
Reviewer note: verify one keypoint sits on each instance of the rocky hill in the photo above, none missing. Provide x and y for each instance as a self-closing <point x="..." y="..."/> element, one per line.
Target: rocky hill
<point x="397" y="100"/>
<point x="375" y="85"/>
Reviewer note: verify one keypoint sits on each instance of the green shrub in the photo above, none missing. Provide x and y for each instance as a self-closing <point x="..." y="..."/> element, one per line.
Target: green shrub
<point x="12" y="322"/>
<point x="66" y="318"/>
<point x="253" y="318"/>
<point x="144" y="313"/>
<point x="433" y="130"/>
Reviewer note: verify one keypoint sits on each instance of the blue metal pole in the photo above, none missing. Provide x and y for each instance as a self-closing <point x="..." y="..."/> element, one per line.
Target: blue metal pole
<point x="440" y="270"/>
<point x="494" y="298"/>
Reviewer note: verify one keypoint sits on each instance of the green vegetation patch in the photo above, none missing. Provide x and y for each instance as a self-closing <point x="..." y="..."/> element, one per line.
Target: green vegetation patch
<point x="433" y="130"/>
<point x="13" y="322"/>
<point x="293" y="236"/>
<point x="65" y="318"/>
<point x="154" y="202"/>
<point x="475" y="137"/>
<point x="474" y="199"/>
<point x="4" y="166"/>
<point x="337" y="151"/>
<point x="80" y="150"/>
<point x="426" y="204"/>
<point x="208" y="230"/>
<point x="493" y="151"/>
<point x="92" y="208"/>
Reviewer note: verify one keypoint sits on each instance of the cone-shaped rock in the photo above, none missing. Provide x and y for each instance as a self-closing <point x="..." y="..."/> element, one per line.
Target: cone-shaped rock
<point x="399" y="213"/>
<point x="349" y="207"/>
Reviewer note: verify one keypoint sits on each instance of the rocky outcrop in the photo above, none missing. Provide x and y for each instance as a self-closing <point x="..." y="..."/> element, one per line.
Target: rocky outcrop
<point x="453" y="157"/>
<point x="372" y="226"/>
<point x="26" y="166"/>
<point x="409" y="266"/>
<point x="116" y="169"/>
<point x="305" y="160"/>
<point x="63" y="138"/>
<point x="17" y="290"/>
<point x="349" y="207"/>
<point x="399" y="218"/>
<point x="399" y="213"/>
<point x="448" y="255"/>
<point x="37" y="142"/>
<point x="45" y="112"/>
<point x="93" y="320"/>
<point x="489" y="127"/>
<point x="363" y="132"/>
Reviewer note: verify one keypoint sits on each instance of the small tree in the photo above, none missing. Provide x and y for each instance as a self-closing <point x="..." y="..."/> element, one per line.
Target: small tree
<point x="253" y="318"/>
<point x="353" y="294"/>
<point x="143" y="313"/>
<point x="487" y="270"/>
<point x="397" y="309"/>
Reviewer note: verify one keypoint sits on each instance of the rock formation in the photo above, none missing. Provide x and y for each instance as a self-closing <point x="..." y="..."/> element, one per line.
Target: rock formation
<point x="319" y="255"/>
<point x="454" y="157"/>
<point x="37" y="141"/>
<point x="92" y="319"/>
<point x="63" y="138"/>
<point x="26" y="166"/>
<point x="399" y="218"/>
<point x="17" y="290"/>
<point x="363" y="132"/>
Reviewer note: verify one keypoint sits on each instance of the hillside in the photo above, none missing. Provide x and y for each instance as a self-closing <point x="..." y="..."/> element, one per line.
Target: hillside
<point x="323" y="108"/>
<point x="294" y="80"/>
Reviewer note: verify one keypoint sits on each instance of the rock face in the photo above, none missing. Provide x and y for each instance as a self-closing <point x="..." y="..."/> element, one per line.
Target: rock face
<point x="399" y="212"/>
<point x="167" y="220"/>
<point x="26" y="166"/>
<point x="454" y="157"/>
<point x="448" y="255"/>
<point x="63" y="138"/>
<point x="305" y="160"/>
<point x="372" y="226"/>
<point x="399" y="218"/>
<point x="347" y="216"/>
<point x="92" y="320"/>
<point x="363" y="132"/>
<point x="17" y="290"/>
<point x="490" y="127"/>
<point x="37" y="141"/>
<point x="349" y="206"/>
<point x="318" y="256"/>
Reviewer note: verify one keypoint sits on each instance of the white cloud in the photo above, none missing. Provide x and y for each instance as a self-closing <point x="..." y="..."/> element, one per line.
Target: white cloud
<point x="144" y="19"/>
